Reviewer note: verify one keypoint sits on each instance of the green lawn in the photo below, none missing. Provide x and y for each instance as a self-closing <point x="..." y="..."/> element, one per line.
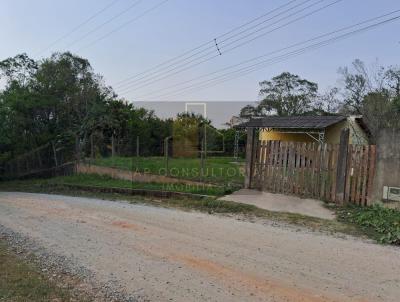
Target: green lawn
<point x="221" y="170"/>
<point x="108" y="182"/>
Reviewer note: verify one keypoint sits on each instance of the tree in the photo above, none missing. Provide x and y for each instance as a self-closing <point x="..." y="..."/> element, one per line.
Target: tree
<point x="287" y="94"/>
<point x="248" y="111"/>
<point x="376" y="111"/>
<point x="73" y="92"/>
<point x="18" y="70"/>
<point x="356" y="86"/>
<point x="60" y="98"/>
<point x="328" y="102"/>
<point x="373" y="93"/>
<point x="392" y="75"/>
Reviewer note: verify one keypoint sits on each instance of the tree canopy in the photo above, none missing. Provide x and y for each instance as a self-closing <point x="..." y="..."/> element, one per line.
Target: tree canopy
<point x="62" y="98"/>
<point x="372" y="92"/>
<point x="287" y="94"/>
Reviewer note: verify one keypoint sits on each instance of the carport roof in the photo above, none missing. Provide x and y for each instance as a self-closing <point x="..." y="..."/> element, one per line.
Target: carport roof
<point x="293" y="122"/>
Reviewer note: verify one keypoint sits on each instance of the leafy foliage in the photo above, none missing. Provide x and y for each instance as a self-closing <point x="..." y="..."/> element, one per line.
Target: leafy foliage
<point x="374" y="93"/>
<point x="383" y="222"/>
<point x="60" y="98"/>
<point x="287" y="94"/>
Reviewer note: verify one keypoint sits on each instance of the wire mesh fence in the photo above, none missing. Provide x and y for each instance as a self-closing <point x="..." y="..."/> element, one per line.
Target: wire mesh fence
<point x="190" y="159"/>
<point x="51" y="159"/>
<point x="198" y="160"/>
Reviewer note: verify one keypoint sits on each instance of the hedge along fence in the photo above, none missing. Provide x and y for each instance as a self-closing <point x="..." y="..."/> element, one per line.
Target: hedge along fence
<point x="335" y="173"/>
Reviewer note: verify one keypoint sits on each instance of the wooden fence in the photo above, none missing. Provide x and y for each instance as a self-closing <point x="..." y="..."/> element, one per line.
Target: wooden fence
<point x="335" y="173"/>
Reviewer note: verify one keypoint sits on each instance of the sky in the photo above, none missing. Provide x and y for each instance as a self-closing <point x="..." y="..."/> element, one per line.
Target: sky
<point x="149" y="32"/>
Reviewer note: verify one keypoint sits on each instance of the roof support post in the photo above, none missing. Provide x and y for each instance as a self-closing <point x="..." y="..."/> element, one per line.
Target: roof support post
<point x="250" y="146"/>
<point x="321" y="137"/>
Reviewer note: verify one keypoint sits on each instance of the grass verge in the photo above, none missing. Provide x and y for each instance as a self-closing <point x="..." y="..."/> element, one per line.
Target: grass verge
<point x="380" y="223"/>
<point x="219" y="170"/>
<point x="109" y="182"/>
<point x="23" y="281"/>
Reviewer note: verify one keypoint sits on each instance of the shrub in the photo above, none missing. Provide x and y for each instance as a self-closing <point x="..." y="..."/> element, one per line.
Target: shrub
<point x="384" y="222"/>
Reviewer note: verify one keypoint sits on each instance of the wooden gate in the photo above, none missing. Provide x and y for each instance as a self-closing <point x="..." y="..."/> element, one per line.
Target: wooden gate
<point x="315" y="170"/>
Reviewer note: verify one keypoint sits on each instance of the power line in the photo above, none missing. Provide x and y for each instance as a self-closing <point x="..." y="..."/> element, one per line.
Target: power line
<point x="283" y="58"/>
<point x="154" y="7"/>
<point x="183" y="67"/>
<point x="134" y="4"/>
<point x="264" y="21"/>
<point x="204" y="44"/>
<point x="277" y="51"/>
<point x="78" y="26"/>
<point x="260" y="65"/>
<point x="212" y="46"/>
<point x="177" y="70"/>
<point x="290" y="22"/>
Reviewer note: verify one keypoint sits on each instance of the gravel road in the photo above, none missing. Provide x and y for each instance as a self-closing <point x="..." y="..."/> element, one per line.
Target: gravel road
<point x="158" y="254"/>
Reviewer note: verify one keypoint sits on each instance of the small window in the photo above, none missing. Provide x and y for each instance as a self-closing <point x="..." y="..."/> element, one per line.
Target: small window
<point x="395" y="191"/>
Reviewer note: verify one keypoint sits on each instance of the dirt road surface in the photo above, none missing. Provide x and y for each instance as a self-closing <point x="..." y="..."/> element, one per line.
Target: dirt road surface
<point x="158" y="254"/>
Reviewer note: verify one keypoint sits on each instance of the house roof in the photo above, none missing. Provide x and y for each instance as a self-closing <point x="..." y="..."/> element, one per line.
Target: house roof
<point x="293" y="122"/>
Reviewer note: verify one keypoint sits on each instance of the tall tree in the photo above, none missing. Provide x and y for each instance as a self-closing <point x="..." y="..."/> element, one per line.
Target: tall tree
<point x="372" y="92"/>
<point x="287" y="94"/>
<point x="248" y="111"/>
<point x="392" y="75"/>
<point x="18" y="70"/>
<point x="356" y="86"/>
<point x="60" y="98"/>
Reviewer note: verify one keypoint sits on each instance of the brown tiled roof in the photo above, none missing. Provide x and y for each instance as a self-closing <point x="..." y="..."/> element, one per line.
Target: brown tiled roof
<point x="293" y="122"/>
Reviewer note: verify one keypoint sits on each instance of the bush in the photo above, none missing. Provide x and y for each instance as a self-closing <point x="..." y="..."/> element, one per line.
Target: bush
<point x="384" y="222"/>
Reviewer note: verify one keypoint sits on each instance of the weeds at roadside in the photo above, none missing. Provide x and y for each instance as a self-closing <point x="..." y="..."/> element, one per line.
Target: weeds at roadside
<point x="109" y="182"/>
<point x="378" y="222"/>
<point x="22" y="281"/>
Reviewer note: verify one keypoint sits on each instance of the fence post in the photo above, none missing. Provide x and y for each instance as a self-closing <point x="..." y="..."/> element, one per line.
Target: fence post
<point x="91" y="146"/>
<point x="112" y="145"/>
<point x="54" y="154"/>
<point x="77" y="149"/>
<point x="166" y="154"/>
<point x="341" y="166"/>
<point x="137" y="146"/>
<point x="249" y="157"/>
<point x="202" y="156"/>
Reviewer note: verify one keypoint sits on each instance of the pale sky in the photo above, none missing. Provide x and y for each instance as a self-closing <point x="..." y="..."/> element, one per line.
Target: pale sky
<point x="180" y="25"/>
